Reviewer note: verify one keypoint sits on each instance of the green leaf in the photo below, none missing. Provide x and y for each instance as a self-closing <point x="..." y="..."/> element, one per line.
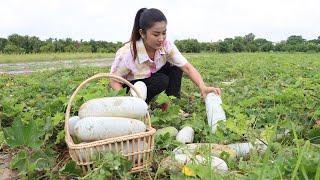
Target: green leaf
<point x="162" y="98"/>
<point x="60" y="137"/>
<point x="70" y="169"/>
<point x="23" y="134"/>
<point x="58" y="117"/>
<point x="268" y="133"/>
<point x="20" y="161"/>
<point x="29" y="162"/>
<point x="2" y="140"/>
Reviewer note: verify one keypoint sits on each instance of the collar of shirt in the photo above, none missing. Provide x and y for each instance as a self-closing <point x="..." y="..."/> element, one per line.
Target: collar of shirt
<point x="142" y="52"/>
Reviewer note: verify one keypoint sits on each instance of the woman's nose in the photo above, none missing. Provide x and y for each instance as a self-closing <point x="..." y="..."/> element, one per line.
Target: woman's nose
<point x="161" y="38"/>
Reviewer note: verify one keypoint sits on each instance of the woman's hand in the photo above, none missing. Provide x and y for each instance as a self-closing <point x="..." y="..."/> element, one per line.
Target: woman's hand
<point x="115" y="85"/>
<point x="206" y="90"/>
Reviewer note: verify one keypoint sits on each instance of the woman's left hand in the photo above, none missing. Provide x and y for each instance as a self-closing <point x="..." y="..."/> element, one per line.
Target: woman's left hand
<point x="206" y="90"/>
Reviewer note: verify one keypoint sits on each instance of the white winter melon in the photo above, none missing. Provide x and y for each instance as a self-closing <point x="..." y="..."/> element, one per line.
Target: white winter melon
<point x="72" y="122"/>
<point x="98" y="128"/>
<point x="179" y="160"/>
<point x="129" y="107"/>
<point x="142" y="88"/>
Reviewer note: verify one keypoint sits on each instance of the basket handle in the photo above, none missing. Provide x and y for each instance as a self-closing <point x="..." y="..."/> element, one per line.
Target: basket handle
<point x="97" y="76"/>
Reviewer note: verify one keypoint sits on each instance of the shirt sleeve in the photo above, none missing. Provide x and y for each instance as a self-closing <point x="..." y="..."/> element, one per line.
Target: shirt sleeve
<point x="119" y="66"/>
<point x="174" y="55"/>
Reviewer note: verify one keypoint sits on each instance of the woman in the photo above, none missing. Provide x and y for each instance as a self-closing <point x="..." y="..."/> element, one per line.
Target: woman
<point x="150" y="58"/>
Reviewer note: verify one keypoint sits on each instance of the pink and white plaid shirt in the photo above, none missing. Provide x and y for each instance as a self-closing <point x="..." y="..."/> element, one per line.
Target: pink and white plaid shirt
<point x="125" y="66"/>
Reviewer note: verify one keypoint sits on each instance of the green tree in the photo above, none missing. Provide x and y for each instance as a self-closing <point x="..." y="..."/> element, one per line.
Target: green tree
<point x="224" y="47"/>
<point x="94" y="47"/>
<point x="3" y="43"/>
<point x="208" y="47"/>
<point x="21" y="42"/>
<point x="238" y="44"/>
<point x="188" y="45"/>
<point x="295" y="40"/>
<point x="249" y="38"/>
<point x="13" y="49"/>
<point x="263" y="45"/>
<point x="313" y="47"/>
<point x="281" y="46"/>
<point x="84" y="48"/>
<point x="267" y="47"/>
<point x="34" y="44"/>
<point x="249" y="43"/>
<point x="59" y="45"/>
<point x="48" y="46"/>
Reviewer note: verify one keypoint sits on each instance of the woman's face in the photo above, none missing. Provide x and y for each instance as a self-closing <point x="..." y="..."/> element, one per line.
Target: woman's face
<point x="154" y="37"/>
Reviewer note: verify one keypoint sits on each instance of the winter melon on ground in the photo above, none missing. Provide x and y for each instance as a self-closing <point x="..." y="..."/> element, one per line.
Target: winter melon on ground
<point x="185" y="135"/>
<point x="177" y="162"/>
<point x="171" y="130"/>
<point x="201" y="148"/>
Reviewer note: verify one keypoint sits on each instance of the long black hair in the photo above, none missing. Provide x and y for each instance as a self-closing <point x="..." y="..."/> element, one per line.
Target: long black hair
<point x="145" y="18"/>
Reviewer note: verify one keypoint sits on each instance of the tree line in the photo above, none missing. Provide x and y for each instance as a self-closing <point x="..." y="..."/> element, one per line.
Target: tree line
<point x="249" y="43"/>
<point x="18" y="44"/>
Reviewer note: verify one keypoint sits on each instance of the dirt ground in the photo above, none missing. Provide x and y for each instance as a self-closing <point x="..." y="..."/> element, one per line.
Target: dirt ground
<point x="20" y="68"/>
<point x="5" y="158"/>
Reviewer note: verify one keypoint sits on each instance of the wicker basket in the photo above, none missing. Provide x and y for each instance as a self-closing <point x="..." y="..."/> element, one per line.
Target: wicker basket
<point x="84" y="152"/>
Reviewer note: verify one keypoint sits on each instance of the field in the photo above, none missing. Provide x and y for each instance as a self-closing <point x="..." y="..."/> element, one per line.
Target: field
<point x="269" y="96"/>
<point x="9" y="58"/>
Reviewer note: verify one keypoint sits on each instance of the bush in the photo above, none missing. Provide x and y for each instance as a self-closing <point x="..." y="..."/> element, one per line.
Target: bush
<point x="224" y="47"/>
<point x="48" y="48"/>
<point x="13" y="49"/>
<point x="188" y="45"/>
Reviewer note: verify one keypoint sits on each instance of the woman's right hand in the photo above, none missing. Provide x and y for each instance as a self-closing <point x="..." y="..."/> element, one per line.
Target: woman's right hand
<point x="115" y="85"/>
<point x="206" y="90"/>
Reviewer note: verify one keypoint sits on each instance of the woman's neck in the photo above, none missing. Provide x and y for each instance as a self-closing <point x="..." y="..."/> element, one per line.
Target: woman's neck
<point x="150" y="51"/>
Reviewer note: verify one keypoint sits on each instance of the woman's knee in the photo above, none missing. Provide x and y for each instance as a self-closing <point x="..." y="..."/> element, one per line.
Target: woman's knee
<point x="162" y="81"/>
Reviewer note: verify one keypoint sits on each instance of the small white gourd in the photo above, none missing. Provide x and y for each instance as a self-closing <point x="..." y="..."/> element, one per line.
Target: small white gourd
<point x="243" y="149"/>
<point x="185" y="135"/>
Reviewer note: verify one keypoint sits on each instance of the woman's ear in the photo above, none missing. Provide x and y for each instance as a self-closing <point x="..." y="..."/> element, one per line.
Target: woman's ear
<point x="141" y="33"/>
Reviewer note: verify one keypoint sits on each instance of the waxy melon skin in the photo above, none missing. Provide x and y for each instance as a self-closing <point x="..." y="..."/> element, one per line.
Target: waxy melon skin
<point x="129" y="107"/>
<point x="98" y="128"/>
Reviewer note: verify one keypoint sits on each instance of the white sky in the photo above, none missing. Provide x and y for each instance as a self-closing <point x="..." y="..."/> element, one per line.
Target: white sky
<point x="205" y="20"/>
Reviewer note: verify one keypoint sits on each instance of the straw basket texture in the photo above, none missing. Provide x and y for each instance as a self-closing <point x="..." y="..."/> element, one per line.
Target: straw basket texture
<point x="137" y="148"/>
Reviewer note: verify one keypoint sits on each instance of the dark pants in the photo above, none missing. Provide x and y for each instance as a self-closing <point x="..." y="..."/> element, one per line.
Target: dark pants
<point x="167" y="79"/>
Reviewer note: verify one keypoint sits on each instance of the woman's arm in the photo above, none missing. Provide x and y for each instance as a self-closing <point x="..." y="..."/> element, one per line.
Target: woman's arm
<point x="197" y="79"/>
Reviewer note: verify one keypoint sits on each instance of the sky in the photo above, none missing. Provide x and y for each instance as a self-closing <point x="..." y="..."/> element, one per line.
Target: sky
<point x="205" y="20"/>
